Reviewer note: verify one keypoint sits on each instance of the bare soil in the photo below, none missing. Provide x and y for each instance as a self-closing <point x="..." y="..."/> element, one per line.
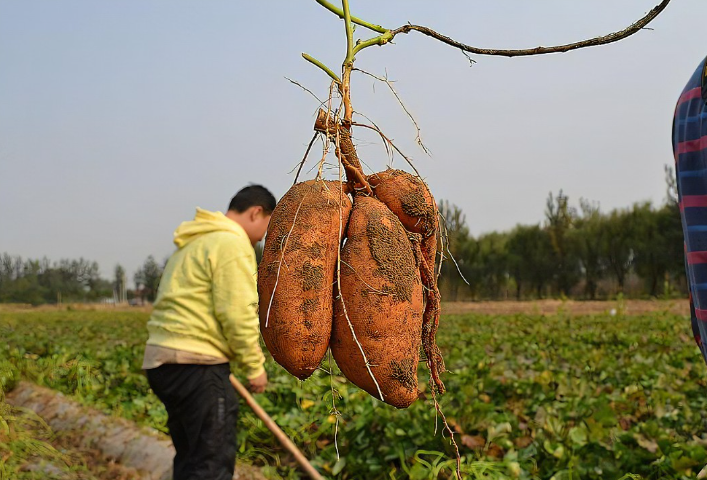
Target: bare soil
<point x="89" y="307"/>
<point x="572" y="307"/>
<point x="509" y="307"/>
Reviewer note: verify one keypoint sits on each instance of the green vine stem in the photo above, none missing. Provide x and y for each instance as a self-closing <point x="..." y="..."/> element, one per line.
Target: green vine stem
<point x="319" y="64"/>
<point x="349" y="33"/>
<point x="379" y="40"/>
<point x="337" y="11"/>
<point x="347" y="67"/>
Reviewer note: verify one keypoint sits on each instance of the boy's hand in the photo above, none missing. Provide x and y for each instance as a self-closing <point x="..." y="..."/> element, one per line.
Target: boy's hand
<point x="258" y="384"/>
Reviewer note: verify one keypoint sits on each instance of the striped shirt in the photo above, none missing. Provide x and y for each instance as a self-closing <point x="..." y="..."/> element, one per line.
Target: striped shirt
<point x="690" y="150"/>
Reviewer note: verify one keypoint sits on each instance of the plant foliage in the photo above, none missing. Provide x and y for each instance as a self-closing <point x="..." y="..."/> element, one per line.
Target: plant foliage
<point x="531" y="397"/>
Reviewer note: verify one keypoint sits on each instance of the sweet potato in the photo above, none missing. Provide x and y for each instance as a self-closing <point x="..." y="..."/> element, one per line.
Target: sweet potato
<point x="381" y="301"/>
<point x="410" y="200"/>
<point x="296" y="274"/>
<point x="408" y="197"/>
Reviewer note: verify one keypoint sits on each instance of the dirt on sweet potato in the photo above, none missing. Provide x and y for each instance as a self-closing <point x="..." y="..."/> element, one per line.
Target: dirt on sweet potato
<point x="379" y="312"/>
<point x="296" y="274"/>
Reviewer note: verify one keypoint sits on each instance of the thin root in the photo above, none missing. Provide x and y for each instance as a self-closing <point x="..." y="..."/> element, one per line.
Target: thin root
<point x="418" y="137"/>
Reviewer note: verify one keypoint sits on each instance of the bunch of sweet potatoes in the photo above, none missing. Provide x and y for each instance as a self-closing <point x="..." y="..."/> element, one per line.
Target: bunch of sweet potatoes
<point x="358" y="279"/>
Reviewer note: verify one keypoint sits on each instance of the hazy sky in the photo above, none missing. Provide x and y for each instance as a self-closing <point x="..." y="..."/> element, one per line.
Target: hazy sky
<point x="117" y="119"/>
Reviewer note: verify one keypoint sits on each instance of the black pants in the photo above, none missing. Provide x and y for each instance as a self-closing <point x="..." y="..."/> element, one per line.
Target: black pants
<point x="203" y="411"/>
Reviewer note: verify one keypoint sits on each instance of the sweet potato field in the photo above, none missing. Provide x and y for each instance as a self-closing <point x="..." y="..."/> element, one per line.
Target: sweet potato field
<point x="530" y="396"/>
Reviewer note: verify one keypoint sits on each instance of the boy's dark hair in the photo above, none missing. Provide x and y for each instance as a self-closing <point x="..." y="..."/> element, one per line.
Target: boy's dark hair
<point x="253" y="196"/>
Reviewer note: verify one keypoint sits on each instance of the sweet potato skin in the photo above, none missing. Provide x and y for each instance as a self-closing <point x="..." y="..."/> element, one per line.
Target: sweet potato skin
<point x="383" y="300"/>
<point x="408" y="197"/>
<point x="296" y="274"/>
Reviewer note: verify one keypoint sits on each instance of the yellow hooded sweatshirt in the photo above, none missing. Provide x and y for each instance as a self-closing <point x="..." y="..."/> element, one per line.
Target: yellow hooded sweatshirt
<point x="207" y="299"/>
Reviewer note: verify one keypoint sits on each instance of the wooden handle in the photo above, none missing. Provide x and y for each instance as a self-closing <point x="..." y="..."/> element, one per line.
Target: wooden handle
<point x="272" y="426"/>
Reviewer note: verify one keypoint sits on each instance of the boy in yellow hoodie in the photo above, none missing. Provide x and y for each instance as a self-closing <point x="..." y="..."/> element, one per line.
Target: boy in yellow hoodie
<point x="206" y="314"/>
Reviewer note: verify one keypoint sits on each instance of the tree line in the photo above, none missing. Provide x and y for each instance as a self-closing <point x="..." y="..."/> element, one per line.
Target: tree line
<point x="575" y="252"/>
<point x="42" y="281"/>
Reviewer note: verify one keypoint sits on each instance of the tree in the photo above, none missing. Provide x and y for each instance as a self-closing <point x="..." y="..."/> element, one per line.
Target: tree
<point x="40" y="281"/>
<point x="147" y="279"/>
<point x="530" y="260"/>
<point x="458" y="250"/>
<point x="588" y="238"/>
<point x="493" y="264"/>
<point x="75" y="278"/>
<point x="119" y="284"/>
<point x="658" y="244"/>
<point x="672" y="228"/>
<point x="617" y="245"/>
<point x="559" y="223"/>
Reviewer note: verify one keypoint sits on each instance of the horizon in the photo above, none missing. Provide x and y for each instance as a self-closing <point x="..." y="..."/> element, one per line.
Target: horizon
<point x="120" y="120"/>
<point x="107" y="271"/>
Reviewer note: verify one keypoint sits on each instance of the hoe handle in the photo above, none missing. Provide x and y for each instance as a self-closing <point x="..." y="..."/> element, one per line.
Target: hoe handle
<point x="272" y="426"/>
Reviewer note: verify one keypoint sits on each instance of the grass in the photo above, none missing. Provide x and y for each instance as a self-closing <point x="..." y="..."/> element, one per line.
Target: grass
<point x="531" y="396"/>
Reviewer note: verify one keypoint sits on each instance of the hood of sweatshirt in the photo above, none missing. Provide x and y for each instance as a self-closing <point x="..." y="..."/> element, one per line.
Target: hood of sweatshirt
<point x="204" y="222"/>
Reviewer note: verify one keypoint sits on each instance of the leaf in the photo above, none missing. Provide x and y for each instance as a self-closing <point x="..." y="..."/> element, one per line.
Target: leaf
<point x="495" y="451"/>
<point x="419" y="472"/>
<point x="578" y="435"/>
<point x="473" y="442"/>
<point x="683" y="463"/>
<point x="514" y="468"/>
<point x="540" y="416"/>
<point x="544" y="378"/>
<point x="499" y="430"/>
<point x="339" y="466"/>
<point x="554" y="449"/>
<point x="456" y="426"/>
<point x="523" y="442"/>
<point x="646" y="443"/>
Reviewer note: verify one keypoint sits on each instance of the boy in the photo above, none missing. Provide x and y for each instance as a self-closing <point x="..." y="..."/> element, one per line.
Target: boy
<point x="205" y="314"/>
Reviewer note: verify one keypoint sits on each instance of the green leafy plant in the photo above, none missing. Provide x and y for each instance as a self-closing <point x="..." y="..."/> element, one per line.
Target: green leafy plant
<point x="530" y="397"/>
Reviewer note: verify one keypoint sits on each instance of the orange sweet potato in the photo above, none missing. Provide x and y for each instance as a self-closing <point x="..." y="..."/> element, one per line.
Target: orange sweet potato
<point x="410" y="200"/>
<point x="296" y="274"/>
<point x="408" y="197"/>
<point x="382" y="302"/>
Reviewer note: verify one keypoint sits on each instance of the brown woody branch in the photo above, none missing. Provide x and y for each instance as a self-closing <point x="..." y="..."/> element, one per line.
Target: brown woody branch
<point x="603" y="40"/>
